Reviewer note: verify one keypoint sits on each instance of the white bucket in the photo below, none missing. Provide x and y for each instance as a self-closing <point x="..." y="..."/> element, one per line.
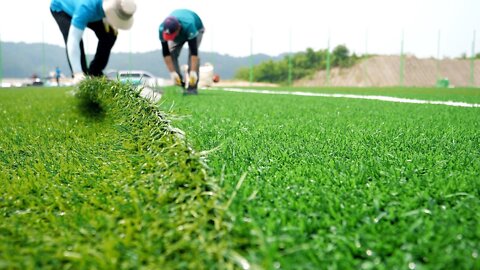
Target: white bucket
<point x="206" y="75"/>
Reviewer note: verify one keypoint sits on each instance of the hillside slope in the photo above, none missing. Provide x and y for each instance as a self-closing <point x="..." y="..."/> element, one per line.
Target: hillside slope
<point x="22" y="60"/>
<point x="381" y="71"/>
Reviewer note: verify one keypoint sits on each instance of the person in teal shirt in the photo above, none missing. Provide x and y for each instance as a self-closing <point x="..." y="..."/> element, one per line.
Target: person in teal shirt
<point x="180" y="27"/>
<point x="104" y="17"/>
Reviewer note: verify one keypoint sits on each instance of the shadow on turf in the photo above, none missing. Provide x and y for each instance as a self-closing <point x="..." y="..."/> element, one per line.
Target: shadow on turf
<point x="91" y="109"/>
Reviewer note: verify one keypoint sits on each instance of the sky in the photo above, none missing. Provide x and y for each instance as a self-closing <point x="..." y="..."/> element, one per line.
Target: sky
<point x="428" y="28"/>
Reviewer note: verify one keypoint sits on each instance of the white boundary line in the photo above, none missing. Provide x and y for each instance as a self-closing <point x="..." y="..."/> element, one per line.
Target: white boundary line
<point x="381" y="98"/>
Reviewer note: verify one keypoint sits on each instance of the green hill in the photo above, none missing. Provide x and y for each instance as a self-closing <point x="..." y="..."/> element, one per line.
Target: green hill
<point x="20" y="60"/>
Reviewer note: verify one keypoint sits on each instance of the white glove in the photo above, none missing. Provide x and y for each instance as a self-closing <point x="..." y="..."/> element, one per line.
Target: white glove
<point x="78" y="77"/>
<point x="175" y="78"/>
<point x="192" y="78"/>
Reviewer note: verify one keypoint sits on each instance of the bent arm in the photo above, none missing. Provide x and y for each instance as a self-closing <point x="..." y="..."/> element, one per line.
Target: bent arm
<point x="73" y="48"/>
<point x="167" y="57"/>
<point x="193" y="47"/>
<point x="169" y="63"/>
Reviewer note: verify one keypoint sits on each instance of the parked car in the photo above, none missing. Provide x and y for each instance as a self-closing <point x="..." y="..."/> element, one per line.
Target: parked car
<point x="136" y="77"/>
<point x="34" y="82"/>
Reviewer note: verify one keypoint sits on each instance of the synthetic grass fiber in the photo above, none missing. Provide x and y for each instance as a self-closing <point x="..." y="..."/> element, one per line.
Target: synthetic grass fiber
<point x="102" y="181"/>
<point x="334" y="183"/>
<point x="106" y="180"/>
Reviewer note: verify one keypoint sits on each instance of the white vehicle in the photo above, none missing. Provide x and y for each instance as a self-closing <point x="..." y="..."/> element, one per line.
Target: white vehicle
<point x="136" y="77"/>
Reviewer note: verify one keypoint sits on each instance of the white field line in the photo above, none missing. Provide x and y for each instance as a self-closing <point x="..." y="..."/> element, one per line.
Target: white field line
<point x="381" y="98"/>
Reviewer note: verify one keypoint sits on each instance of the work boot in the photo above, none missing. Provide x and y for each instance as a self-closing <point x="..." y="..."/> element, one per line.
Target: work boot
<point x="191" y="91"/>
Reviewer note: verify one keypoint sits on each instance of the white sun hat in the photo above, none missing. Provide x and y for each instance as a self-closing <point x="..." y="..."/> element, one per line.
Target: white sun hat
<point x="119" y="13"/>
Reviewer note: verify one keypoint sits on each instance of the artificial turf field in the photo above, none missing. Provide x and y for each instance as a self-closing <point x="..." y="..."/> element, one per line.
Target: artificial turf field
<point x="256" y="181"/>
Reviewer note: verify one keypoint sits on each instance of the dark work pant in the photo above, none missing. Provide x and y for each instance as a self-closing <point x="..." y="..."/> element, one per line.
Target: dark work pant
<point x="175" y="49"/>
<point x="106" y="40"/>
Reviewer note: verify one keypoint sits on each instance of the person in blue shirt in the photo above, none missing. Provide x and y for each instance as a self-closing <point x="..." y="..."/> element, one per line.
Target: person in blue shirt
<point x="180" y="27"/>
<point x="103" y="17"/>
<point x="58" y="73"/>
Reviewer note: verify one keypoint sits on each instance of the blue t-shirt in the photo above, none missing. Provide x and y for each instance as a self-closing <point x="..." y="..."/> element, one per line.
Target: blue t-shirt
<point x="190" y="22"/>
<point x="83" y="12"/>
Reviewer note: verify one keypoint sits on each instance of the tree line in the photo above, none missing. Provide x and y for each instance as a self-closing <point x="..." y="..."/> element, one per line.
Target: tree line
<point x="298" y="65"/>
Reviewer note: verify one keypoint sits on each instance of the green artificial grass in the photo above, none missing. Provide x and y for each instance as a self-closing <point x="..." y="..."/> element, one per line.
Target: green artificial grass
<point x="107" y="180"/>
<point x="102" y="181"/>
<point x="336" y="183"/>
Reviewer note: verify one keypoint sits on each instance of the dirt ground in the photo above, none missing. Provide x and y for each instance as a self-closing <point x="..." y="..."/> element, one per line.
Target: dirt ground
<point x="381" y="71"/>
